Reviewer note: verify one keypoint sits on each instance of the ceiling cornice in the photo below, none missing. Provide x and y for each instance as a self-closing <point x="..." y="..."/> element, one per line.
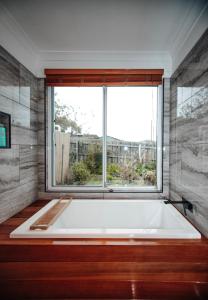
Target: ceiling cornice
<point x="106" y="59"/>
<point x="16" y="42"/>
<point x="14" y="39"/>
<point x="196" y="18"/>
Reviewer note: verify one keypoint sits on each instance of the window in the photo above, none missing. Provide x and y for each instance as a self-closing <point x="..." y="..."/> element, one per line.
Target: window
<point x="78" y="136"/>
<point x="105" y="137"/>
<point x="131" y="136"/>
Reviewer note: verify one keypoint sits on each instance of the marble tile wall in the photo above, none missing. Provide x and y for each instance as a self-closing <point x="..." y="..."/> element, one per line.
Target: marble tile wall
<point x="189" y="133"/>
<point x="42" y="129"/>
<point x="19" y="165"/>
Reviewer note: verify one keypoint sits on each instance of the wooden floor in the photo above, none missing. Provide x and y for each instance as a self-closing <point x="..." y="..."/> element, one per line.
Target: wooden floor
<point x="100" y="269"/>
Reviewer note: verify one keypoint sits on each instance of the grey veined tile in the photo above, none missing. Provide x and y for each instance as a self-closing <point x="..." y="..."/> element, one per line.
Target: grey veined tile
<point x="24" y="117"/>
<point x="28" y="163"/>
<point x="189" y="132"/>
<point x="41" y="88"/>
<point x="195" y="131"/>
<point x="29" y="92"/>
<point x="6" y="105"/>
<point x="15" y="199"/>
<point x="23" y="136"/>
<point x="25" y="86"/>
<point x="194" y="168"/>
<point x="9" y="168"/>
<point x="21" y="115"/>
<point x="9" y="76"/>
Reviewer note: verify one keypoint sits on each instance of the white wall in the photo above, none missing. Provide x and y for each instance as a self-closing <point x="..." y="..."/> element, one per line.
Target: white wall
<point x="187" y="42"/>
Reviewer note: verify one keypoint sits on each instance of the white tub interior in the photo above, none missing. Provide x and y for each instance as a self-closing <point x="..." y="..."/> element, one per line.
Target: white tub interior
<point x="112" y="219"/>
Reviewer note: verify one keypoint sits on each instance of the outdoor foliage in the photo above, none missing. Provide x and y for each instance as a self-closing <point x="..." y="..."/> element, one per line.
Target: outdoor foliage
<point x="80" y="172"/>
<point x="131" y="170"/>
<point x="94" y="159"/>
<point x="128" y="171"/>
<point x="150" y="177"/>
<point x="113" y="171"/>
<point x="65" y="117"/>
<point x="150" y="165"/>
<point x="140" y="169"/>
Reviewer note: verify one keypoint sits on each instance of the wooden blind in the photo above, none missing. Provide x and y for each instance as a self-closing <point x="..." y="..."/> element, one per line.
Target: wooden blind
<point x="100" y="77"/>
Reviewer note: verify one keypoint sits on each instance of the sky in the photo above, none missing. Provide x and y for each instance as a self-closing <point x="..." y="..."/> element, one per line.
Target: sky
<point x="131" y="111"/>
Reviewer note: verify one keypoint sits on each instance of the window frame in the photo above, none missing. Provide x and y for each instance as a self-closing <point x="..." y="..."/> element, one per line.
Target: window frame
<point x="50" y="155"/>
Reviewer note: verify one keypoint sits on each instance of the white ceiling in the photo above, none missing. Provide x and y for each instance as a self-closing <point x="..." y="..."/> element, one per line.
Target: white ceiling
<point x="57" y="28"/>
<point x="79" y="25"/>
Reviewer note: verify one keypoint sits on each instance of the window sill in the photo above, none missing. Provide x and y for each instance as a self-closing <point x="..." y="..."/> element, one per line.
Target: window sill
<point x="109" y="190"/>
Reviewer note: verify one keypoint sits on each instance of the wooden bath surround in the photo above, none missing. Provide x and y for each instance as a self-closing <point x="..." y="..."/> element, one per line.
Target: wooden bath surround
<point x="100" y="269"/>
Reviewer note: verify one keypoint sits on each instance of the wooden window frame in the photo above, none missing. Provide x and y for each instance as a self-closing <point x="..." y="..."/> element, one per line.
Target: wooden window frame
<point x="103" y="77"/>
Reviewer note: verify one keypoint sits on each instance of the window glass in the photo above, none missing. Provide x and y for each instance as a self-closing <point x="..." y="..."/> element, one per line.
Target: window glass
<point x="114" y="147"/>
<point x="78" y="135"/>
<point x="131" y="136"/>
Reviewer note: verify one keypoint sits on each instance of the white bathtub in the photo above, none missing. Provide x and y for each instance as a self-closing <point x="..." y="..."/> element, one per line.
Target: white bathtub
<point x="112" y="219"/>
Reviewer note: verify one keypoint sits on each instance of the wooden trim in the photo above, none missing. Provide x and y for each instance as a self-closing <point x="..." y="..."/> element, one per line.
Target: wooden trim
<point x="50" y="216"/>
<point x="96" y="84"/>
<point x="100" y="77"/>
<point x="104" y="71"/>
<point x="85" y="288"/>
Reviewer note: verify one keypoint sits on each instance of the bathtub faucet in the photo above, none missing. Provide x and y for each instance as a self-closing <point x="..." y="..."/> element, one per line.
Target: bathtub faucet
<point x="186" y="204"/>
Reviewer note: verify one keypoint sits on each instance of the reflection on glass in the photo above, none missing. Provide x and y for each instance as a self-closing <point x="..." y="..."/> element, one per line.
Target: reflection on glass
<point x="78" y="136"/>
<point x="131" y="136"/>
<point x="190" y="102"/>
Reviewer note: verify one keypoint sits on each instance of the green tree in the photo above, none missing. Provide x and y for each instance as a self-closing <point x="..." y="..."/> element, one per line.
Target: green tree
<point x="65" y="117"/>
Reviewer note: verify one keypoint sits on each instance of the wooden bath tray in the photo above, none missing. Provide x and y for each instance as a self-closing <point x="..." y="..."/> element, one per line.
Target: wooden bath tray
<point x="50" y="216"/>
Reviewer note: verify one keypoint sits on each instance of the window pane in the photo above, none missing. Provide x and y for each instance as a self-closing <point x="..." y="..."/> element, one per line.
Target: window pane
<point x="78" y="135"/>
<point x="131" y="136"/>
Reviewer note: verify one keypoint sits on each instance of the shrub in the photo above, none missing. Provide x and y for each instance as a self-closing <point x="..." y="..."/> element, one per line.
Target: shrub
<point x="80" y="172"/>
<point x="140" y="169"/>
<point x="143" y="169"/>
<point x="150" y="177"/>
<point x="151" y="166"/>
<point x="109" y="177"/>
<point x="128" y="171"/>
<point x="94" y="159"/>
<point x="113" y="170"/>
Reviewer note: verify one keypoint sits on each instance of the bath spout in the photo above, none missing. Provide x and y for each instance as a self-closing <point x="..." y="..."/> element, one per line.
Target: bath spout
<point x="186" y="204"/>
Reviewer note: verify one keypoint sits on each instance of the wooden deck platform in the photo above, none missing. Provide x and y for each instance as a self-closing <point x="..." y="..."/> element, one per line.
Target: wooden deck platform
<point x="100" y="269"/>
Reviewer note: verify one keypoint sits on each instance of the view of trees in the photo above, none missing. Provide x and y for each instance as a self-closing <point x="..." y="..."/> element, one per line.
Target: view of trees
<point x="88" y="170"/>
<point x="65" y="117"/>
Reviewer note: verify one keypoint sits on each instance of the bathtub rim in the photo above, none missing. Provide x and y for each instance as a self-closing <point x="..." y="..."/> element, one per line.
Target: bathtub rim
<point x="191" y="233"/>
